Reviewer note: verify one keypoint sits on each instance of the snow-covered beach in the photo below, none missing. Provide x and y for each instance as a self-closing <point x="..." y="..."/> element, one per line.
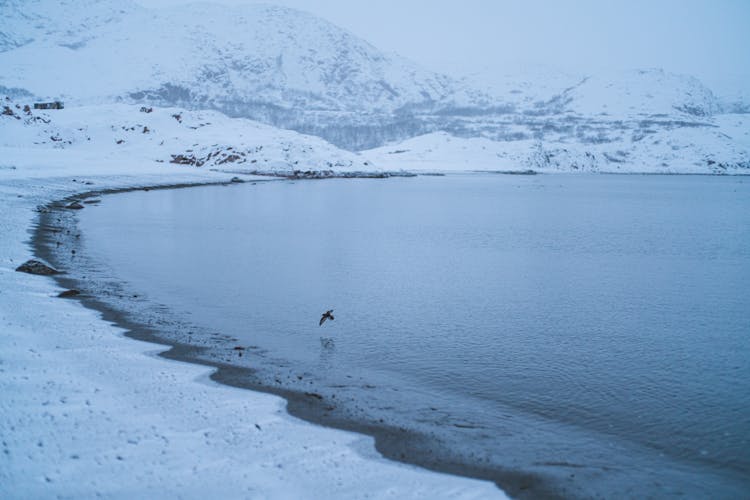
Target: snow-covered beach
<point x="89" y="412"/>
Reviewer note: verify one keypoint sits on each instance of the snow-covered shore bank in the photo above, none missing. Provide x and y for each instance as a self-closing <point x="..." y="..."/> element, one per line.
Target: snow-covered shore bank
<point x="88" y="412"/>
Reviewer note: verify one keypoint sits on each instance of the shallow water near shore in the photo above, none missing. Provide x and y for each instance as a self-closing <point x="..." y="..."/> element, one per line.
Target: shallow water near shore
<point x="589" y="330"/>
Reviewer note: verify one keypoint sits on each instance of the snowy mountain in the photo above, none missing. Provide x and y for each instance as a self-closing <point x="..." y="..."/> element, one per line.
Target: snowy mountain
<point x="290" y="69"/>
<point x="209" y="53"/>
<point x="273" y="64"/>
<point x="636" y="121"/>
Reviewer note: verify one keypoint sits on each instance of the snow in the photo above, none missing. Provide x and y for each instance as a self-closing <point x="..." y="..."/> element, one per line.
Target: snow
<point x="291" y="69"/>
<point x="88" y="412"/>
<point x="125" y="133"/>
<point x="254" y="52"/>
<point x="722" y="148"/>
<point x="85" y="410"/>
<point x="442" y="152"/>
<point x="641" y="93"/>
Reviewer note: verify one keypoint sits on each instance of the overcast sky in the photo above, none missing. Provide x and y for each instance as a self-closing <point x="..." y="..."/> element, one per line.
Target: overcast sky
<point x="707" y="38"/>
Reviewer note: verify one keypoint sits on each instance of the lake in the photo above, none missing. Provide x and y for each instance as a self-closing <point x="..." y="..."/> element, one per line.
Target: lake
<point x="590" y="331"/>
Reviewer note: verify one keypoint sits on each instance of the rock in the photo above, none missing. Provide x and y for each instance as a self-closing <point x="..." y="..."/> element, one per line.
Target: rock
<point x="69" y="293"/>
<point x="186" y="160"/>
<point x="74" y="205"/>
<point x="229" y="159"/>
<point x="236" y="179"/>
<point x="36" y="267"/>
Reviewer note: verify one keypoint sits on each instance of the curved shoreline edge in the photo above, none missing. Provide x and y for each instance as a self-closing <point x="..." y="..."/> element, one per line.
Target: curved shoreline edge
<point x="393" y="443"/>
<point x="88" y="412"/>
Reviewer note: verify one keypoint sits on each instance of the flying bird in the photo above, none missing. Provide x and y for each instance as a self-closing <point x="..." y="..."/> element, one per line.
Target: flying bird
<point x="326" y="315"/>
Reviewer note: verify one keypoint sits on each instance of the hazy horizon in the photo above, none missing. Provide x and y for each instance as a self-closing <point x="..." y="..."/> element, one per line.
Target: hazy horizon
<point x="702" y="38"/>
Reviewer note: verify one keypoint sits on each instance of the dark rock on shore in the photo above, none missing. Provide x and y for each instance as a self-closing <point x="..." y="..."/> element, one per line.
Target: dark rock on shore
<point x="519" y="172"/>
<point x="69" y="293"/>
<point x="331" y="174"/>
<point x="236" y="179"/>
<point x="509" y="172"/>
<point x="36" y="267"/>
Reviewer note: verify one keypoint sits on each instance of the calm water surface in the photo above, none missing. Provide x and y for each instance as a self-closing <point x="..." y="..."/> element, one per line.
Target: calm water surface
<point x="590" y="325"/>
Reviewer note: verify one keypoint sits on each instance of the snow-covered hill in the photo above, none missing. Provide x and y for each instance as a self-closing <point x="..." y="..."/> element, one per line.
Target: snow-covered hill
<point x="720" y="149"/>
<point x="139" y="135"/>
<point x="640" y="94"/>
<point x="635" y="121"/>
<point x="290" y="69"/>
<point x="278" y="65"/>
<point x="218" y="54"/>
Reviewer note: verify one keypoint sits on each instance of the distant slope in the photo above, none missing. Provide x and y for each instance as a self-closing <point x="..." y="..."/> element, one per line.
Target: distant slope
<point x="641" y="94"/>
<point x="721" y="149"/>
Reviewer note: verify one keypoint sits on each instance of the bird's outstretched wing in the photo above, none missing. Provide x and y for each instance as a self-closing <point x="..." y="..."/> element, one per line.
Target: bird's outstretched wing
<point x="326" y="315"/>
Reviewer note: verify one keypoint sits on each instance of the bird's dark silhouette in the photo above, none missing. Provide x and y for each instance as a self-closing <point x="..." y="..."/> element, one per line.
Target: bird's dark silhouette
<point x="326" y="315"/>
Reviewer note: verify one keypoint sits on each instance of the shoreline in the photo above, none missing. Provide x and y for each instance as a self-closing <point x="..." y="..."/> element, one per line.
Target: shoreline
<point x="392" y="442"/>
<point x="389" y="442"/>
<point x="150" y="424"/>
